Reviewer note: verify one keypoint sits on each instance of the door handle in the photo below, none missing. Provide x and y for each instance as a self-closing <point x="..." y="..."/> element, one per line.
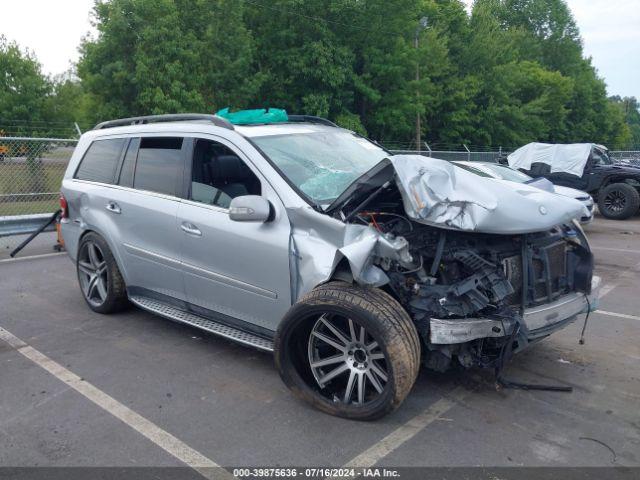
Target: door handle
<point x="113" y="207"/>
<point x="191" y="229"/>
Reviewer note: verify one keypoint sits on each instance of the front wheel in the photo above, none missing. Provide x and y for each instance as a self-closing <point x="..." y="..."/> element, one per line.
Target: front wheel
<point x="618" y="201"/>
<point x="349" y="351"/>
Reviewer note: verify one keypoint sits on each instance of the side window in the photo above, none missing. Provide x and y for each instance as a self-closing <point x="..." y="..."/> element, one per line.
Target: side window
<point x="129" y="163"/>
<point x="218" y="175"/>
<point x="101" y="160"/>
<point x="159" y="165"/>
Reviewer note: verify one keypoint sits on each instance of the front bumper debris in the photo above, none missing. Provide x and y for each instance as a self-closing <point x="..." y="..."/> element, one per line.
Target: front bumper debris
<point x="537" y="322"/>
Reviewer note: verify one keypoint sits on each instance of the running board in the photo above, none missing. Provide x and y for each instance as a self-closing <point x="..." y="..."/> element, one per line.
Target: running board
<point x="173" y="313"/>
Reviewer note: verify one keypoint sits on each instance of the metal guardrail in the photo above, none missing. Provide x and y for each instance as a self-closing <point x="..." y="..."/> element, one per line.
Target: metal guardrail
<point x="24" y="224"/>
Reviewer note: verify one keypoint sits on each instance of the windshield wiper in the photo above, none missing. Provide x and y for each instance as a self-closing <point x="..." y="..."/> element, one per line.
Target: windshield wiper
<point x="366" y="201"/>
<point x="363" y="186"/>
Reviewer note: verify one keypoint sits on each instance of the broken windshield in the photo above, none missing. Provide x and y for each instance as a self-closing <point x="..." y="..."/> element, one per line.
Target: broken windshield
<point x="322" y="164"/>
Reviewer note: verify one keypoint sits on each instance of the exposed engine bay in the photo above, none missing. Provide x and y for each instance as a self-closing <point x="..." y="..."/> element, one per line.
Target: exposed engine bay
<point x="449" y="274"/>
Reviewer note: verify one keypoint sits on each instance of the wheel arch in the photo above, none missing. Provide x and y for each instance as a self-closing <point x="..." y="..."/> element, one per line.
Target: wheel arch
<point x="628" y="179"/>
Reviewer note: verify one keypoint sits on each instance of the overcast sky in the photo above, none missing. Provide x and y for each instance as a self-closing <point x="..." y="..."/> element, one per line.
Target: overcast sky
<point x="610" y="29"/>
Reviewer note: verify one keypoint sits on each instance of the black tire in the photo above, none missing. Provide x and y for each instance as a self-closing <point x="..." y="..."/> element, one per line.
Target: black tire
<point x="385" y="322"/>
<point x="618" y="201"/>
<point x="114" y="295"/>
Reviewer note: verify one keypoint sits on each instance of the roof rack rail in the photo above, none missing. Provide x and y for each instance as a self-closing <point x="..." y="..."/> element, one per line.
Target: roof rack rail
<point x="174" y="117"/>
<point x="312" y="119"/>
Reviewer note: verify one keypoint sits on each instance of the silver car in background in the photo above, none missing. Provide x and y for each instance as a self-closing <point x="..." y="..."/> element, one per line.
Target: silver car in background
<point x="352" y="265"/>
<point x="503" y="172"/>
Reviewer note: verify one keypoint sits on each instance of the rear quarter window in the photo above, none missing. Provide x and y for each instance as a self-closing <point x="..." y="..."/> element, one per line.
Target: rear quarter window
<point x="100" y="161"/>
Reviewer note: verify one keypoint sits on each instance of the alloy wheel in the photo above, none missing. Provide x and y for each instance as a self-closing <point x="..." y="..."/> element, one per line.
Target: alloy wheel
<point x="346" y="361"/>
<point x="615" y="201"/>
<point x="93" y="273"/>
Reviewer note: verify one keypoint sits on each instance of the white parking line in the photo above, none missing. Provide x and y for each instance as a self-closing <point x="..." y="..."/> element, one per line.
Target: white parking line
<point x="32" y="257"/>
<point x="407" y="431"/>
<point x="611" y="249"/>
<point x="607" y="289"/>
<point x="157" y="435"/>
<point x="614" y="314"/>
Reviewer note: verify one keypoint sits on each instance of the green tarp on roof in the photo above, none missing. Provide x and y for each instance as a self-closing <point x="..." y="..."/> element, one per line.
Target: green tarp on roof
<point x="259" y="115"/>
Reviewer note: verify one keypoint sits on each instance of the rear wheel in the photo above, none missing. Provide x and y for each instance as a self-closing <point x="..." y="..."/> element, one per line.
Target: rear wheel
<point x="348" y="351"/>
<point x="618" y="201"/>
<point x="100" y="280"/>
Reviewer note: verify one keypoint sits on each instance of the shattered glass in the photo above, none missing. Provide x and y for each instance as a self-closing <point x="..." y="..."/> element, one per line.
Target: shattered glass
<point x="321" y="163"/>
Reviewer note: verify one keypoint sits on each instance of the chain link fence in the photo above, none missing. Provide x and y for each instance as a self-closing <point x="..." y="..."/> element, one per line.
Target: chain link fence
<point x="626" y="156"/>
<point x="456" y="155"/>
<point x="31" y="171"/>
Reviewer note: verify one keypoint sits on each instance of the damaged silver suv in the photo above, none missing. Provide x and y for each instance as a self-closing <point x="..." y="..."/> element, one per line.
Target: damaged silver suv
<point x="353" y="265"/>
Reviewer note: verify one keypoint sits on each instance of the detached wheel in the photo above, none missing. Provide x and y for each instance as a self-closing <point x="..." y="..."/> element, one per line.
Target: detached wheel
<point x="100" y="280"/>
<point x="349" y="351"/>
<point x="618" y="201"/>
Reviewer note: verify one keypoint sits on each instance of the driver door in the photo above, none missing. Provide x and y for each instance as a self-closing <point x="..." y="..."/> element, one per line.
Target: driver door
<point x="235" y="270"/>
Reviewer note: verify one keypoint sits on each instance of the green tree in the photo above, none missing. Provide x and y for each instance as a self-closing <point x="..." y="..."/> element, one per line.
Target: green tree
<point x="69" y="104"/>
<point x="167" y="56"/>
<point x="629" y="107"/>
<point x="24" y="93"/>
<point x="24" y="90"/>
<point x="511" y="72"/>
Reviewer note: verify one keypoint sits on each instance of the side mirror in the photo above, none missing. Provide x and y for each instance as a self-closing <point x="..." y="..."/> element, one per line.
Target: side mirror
<point x="250" y="208"/>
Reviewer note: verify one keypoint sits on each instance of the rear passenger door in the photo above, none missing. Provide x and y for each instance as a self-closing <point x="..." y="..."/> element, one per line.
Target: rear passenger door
<point x="234" y="270"/>
<point x="143" y="210"/>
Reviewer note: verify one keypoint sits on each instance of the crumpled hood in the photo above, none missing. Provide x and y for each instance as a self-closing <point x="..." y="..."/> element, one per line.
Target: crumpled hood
<point x="437" y="193"/>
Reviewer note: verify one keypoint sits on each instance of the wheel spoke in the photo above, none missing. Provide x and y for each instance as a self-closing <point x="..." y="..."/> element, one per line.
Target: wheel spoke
<point x="372" y="346"/>
<point x="334" y="373"/>
<point x="350" y="384"/>
<point x="102" y="290"/>
<point x="361" y="382"/>
<point x="374" y="381"/>
<point x="326" y="339"/>
<point x="352" y="331"/>
<point x="362" y="333"/>
<point x="334" y="330"/>
<point x="86" y="268"/>
<point x="328" y="361"/>
<point x="93" y="255"/>
<point x="376" y="356"/>
<point x="379" y="372"/>
<point x="86" y="284"/>
<point x="92" y="287"/>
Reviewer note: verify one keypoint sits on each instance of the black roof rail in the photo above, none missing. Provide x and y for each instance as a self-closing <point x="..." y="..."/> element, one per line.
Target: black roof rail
<point x="312" y="119"/>
<point x="174" y="117"/>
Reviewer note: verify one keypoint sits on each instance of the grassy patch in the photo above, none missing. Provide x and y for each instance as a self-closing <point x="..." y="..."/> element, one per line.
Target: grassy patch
<point x="27" y="208"/>
<point x="20" y="178"/>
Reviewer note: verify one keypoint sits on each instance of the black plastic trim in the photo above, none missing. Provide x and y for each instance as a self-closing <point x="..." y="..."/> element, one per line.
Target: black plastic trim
<point x="204" y="312"/>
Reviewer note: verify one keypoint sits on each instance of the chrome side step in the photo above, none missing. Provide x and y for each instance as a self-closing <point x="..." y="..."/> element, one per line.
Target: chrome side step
<point x="173" y="313"/>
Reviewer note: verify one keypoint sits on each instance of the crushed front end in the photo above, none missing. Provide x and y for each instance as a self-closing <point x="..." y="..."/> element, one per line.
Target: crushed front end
<point x="468" y="292"/>
<point x="480" y="266"/>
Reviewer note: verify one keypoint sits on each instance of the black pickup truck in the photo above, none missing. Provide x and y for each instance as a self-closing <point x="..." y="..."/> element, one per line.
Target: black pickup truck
<point x="615" y="186"/>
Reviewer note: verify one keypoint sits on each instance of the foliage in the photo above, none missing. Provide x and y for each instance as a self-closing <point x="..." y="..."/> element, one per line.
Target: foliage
<point x="23" y="91"/>
<point x="629" y="108"/>
<point x="510" y="72"/>
<point x="160" y="56"/>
